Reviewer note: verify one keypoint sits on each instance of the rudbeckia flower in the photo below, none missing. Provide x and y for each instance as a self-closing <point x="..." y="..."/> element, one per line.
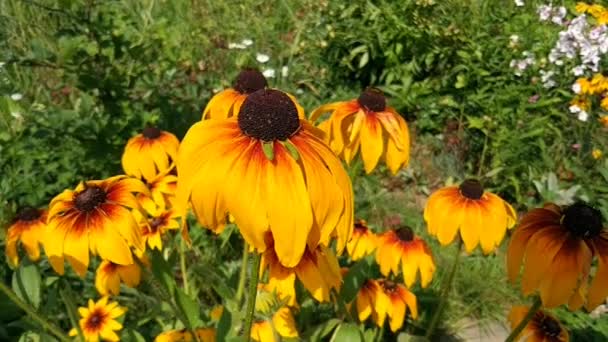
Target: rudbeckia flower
<point x="149" y="153"/>
<point x="557" y="247"/>
<point x="281" y="324"/>
<point x="318" y="270"/>
<point x="183" y="335"/>
<point x="162" y="193"/>
<point x="367" y="122"/>
<point x="28" y="227"/>
<point x="604" y="121"/>
<point x="99" y="320"/>
<point x="362" y="242"/>
<point x="271" y="171"/>
<point x="402" y="246"/>
<point x="542" y="328"/>
<point x="109" y="276"/>
<point x="155" y="225"/>
<point x="96" y="217"/>
<point x="481" y="216"/>
<point x="383" y="298"/>
<point x="228" y="102"/>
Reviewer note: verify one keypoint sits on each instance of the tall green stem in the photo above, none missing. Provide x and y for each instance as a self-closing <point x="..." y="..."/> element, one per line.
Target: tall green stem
<point x="253" y="291"/>
<point x="66" y="295"/>
<point x="182" y="264"/>
<point x="46" y="325"/>
<point x="445" y="291"/>
<point x="533" y="309"/>
<point x="243" y="275"/>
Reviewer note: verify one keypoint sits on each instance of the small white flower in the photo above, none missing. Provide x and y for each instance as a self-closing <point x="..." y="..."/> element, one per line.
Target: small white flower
<point x="583" y="116"/>
<point x="514" y="38"/>
<point x="16" y="97"/>
<point x="262" y="58"/>
<point x="576" y="88"/>
<point x="269" y="73"/>
<point x="549" y="84"/>
<point x="238" y="46"/>
<point x="285" y="71"/>
<point x="578" y="70"/>
<point x="299" y="91"/>
<point x="574" y="109"/>
<point x="558" y="15"/>
<point x="247" y="42"/>
<point x="544" y="12"/>
<point x="519" y="3"/>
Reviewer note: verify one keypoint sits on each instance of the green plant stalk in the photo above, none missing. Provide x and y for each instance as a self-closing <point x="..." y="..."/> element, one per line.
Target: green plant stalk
<point x="182" y="265"/>
<point x="46" y="325"/>
<point x="66" y="296"/>
<point x="482" y="159"/>
<point x="253" y="291"/>
<point x="243" y="275"/>
<point x="445" y="291"/>
<point x="533" y="309"/>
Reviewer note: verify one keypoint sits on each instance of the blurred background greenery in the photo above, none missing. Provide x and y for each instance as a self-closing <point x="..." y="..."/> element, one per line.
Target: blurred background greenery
<point x="79" y="77"/>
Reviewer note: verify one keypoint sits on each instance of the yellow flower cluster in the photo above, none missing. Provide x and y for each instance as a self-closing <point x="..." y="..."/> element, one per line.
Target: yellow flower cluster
<point x="587" y="88"/>
<point x="599" y="12"/>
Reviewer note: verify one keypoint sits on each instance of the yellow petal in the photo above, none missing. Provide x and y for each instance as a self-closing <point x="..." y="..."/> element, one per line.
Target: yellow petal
<point x="372" y="143"/>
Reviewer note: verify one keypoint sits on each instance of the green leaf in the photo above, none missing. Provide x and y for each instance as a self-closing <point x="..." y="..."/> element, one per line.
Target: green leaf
<point x="130" y="335"/>
<point x="353" y="280"/>
<point x="223" y="326"/>
<point x="268" y="148"/>
<point x="162" y="271"/>
<point x="347" y="332"/>
<point x="293" y="151"/>
<point x="461" y="81"/>
<point x="189" y="307"/>
<point x="324" y="329"/>
<point x="26" y="283"/>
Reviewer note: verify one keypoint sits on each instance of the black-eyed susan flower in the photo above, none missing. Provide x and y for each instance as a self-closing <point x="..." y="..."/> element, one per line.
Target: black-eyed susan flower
<point x="604" y="120"/>
<point x="109" y="276"/>
<point x="98" y="320"/>
<point x="372" y="301"/>
<point x="183" y="335"/>
<point x="281" y="324"/>
<point x="28" y="228"/>
<point x="542" y="328"/>
<point x="318" y="270"/>
<point x="369" y="124"/>
<point x="481" y="216"/>
<point x="96" y="217"/>
<point x="149" y="153"/>
<point x="162" y="193"/>
<point x="382" y="299"/>
<point x="228" y="102"/>
<point x="557" y="247"/>
<point x="363" y="241"/>
<point x="272" y="172"/>
<point x="155" y="224"/>
<point x="402" y="246"/>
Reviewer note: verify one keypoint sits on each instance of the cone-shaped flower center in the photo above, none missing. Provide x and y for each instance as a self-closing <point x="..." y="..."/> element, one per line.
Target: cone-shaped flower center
<point x="549" y="327"/>
<point x="269" y="115"/>
<point x="373" y="99"/>
<point x="95" y="320"/>
<point x="389" y="286"/>
<point x="405" y="233"/>
<point x="472" y="189"/>
<point x="582" y="220"/>
<point x="249" y="81"/>
<point x="156" y="223"/>
<point x="151" y="132"/>
<point x="360" y="226"/>
<point x="28" y="214"/>
<point x="89" y="198"/>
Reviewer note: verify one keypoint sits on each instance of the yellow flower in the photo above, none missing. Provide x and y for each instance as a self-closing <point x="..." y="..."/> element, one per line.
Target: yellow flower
<point x="582" y="7"/>
<point x="542" y="328"/>
<point x="99" y="320"/>
<point x="162" y="193"/>
<point x="585" y="86"/>
<point x="28" y="227"/>
<point x="481" y="217"/>
<point x="403" y="247"/>
<point x="95" y="217"/>
<point x="596" y="153"/>
<point x="216" y="313"/>
<point x="368" y="123"/>
<point x="272" y="172"/>
<point x="154" y="225"/>
<point x="204" y="335"/>
<point x="362" y="242"/>
<point x="581" y="102"/>
<point x="604" y="121"/>
<point x="383" y="299"/>
<point x="282" y="323"/>
<point x="109" y="275"/>
<point x="318" y="270"/>
<point x="149" y="153"/>
<point x="556" y="247"/>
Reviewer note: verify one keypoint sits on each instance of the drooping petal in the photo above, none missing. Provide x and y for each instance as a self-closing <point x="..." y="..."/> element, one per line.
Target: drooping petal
<point x="372" y="143"/>
<point x="598" y="290"/>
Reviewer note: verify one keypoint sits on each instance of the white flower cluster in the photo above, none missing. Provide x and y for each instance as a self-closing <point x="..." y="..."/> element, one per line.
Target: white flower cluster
<point x="245" y="43"/>
<point x="520" y="65"/>
<point x="555" y="14"/>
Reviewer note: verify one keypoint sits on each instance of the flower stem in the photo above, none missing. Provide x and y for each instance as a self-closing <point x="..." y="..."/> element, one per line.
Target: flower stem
<point x="66" y="295"/>
<point x="243" y="275"/>
<point x="46" y="325"/>
<point x="533" y="309"/>
<point x="182" y="264"/>
<point x="445" y="291"/>
<point x="253" y="291"/>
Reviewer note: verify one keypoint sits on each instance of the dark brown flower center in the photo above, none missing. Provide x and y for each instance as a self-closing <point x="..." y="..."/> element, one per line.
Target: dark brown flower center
<point x="389" y="286"/>
<point x="249" y="81"/>
<point x="472" y="189"/>
<point x="95" y="321"/>
<point x="582" y="220"/>
<point x="372" y="99"/>
<point x="359" y="225"/>
<point x="151" y="132"/>
<point x="155" y="223"/>
<point x="89" y="198"/>
<point x="269" y="115"/>
<point x="405" y="233"/>
<point x="28" y="214"/>
<point x="549" y="326"/>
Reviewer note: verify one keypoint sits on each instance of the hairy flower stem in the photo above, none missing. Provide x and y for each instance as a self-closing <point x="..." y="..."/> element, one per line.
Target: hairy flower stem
<point x="66" y="296"/>
<point x="253" y="291"/>
<point x="243" y="275"/>
<point x="445" y="291"/>
<point x="30" y="311"/>
<point x="533" y="310"/>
